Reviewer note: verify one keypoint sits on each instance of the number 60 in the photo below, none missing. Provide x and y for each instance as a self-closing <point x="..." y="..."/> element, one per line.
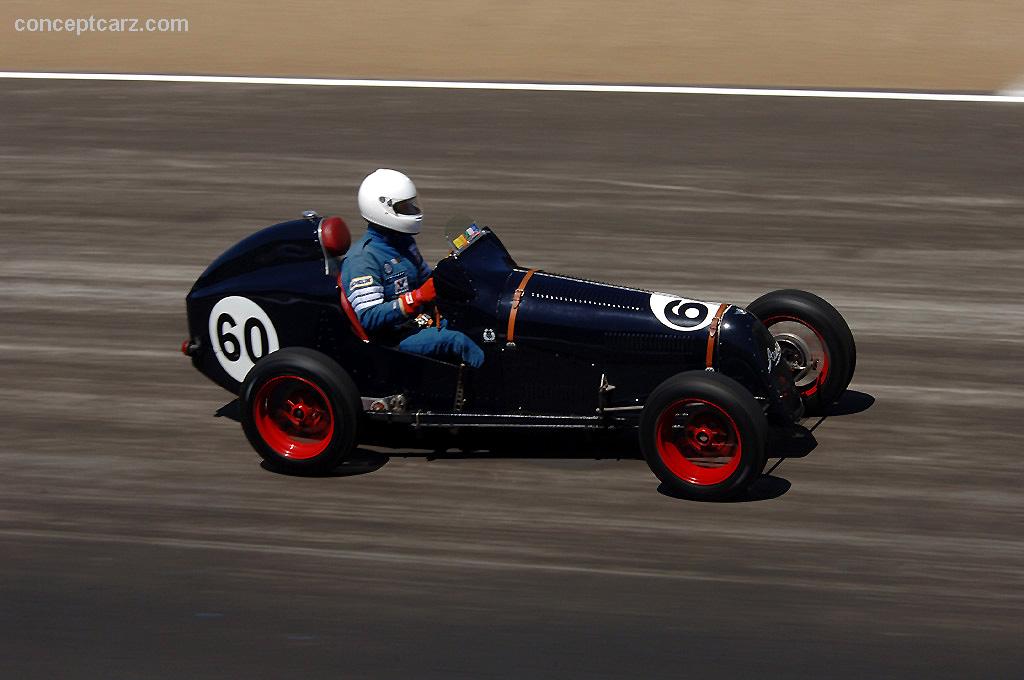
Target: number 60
<point x="224" y="337"/>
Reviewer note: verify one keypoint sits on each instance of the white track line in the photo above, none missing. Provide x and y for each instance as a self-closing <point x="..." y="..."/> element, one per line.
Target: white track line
<point x="537" y="87"/>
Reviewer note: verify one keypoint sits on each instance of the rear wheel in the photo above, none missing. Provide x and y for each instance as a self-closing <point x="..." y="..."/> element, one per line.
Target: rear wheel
<point x="703" y="435"/>
<point x="816" y="343"/>
<point x="300" y="410"/>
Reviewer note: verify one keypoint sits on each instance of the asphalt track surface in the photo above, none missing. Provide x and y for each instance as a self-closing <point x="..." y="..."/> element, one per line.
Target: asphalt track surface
<point x="141" y="537"/>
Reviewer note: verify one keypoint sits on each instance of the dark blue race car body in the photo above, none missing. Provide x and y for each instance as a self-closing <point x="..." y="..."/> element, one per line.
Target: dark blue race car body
<point x="585" y="354"/>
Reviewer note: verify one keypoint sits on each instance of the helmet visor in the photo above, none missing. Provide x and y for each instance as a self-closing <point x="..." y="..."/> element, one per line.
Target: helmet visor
<point x="407" y="207"/>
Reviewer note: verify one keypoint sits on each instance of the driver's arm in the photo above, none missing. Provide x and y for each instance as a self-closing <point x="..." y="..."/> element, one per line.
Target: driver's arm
<point x="365" y="292"/>
<point x="366" y="296"/>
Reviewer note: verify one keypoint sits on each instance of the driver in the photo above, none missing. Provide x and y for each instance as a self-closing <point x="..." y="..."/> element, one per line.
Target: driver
<point x="387" y="281"/>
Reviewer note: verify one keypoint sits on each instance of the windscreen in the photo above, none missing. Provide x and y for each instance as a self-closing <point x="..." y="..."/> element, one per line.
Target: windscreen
<point x="461" y="232"/>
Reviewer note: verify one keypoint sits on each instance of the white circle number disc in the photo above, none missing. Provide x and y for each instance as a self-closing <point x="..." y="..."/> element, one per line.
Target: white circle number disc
<point x="681" y="314"/>
<point x="241" y="333"/>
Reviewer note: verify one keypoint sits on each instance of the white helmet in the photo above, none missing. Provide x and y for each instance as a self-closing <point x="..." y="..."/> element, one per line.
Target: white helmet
<point x="388" y="198"/>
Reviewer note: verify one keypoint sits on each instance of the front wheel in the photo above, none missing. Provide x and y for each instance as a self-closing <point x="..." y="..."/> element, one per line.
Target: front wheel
<point x="300" y="410"/>
<point x="816" y="344"/>
<point x="703" y="435"/>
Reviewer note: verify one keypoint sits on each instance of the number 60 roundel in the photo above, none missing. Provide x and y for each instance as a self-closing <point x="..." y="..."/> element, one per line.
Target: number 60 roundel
<point x="241" y="333"/>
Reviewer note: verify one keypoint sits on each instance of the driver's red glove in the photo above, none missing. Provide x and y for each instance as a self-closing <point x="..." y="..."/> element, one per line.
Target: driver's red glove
<point x="413" y="300"/>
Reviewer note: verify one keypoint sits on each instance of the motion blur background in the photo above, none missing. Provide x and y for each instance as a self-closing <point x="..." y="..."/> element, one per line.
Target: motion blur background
<point x="140" y="536"/>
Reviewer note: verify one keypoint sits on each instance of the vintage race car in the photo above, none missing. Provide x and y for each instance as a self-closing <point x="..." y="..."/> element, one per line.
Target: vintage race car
<point x="699" y="383"/>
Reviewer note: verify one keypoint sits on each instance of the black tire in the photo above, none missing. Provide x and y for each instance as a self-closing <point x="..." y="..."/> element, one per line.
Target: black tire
<point x="708" y="395"/>
<point x="822" y="318"/>
<point x="305" y="374"/>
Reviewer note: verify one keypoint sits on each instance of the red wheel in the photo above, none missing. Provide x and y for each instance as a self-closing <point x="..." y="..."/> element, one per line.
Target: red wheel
<point x="816" y="344"/>
<point x="703" y="435"/>
<point x="803" y="349"/>
<point x="698" y="441"/>
<point x="300" y="410"/>
<point x="293" y="416"/>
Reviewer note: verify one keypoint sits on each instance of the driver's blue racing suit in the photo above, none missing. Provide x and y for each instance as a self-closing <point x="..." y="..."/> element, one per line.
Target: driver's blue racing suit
<point x="381" y="266"/>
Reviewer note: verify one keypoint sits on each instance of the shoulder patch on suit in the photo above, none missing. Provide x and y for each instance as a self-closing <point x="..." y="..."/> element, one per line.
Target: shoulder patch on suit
<point x="360" y="282"/>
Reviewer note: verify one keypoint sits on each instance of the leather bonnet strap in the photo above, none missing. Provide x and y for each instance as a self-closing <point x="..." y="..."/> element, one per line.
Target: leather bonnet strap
<point x="517" y="298"/>
<point x="709" y="355"/>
